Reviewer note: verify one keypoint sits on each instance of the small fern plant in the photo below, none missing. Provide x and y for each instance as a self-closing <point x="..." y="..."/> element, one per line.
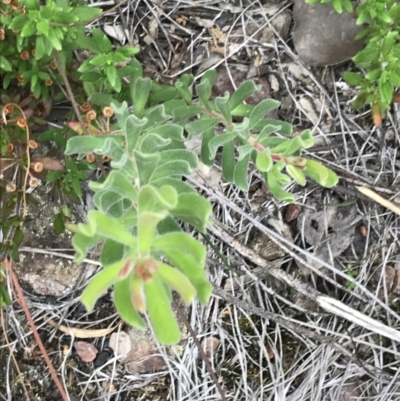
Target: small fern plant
<point x="144" y="199"/>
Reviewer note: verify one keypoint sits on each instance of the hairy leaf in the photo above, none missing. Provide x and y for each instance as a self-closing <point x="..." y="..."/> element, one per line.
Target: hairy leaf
<point x="123" y="303"/>
<point x="160" y="312"/>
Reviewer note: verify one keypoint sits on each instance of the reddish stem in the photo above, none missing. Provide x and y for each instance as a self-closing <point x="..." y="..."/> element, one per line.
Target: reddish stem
<point x="24" y="306"/>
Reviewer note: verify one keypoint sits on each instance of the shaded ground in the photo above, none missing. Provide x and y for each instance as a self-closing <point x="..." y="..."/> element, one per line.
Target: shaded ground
<point x="275" y="339"/>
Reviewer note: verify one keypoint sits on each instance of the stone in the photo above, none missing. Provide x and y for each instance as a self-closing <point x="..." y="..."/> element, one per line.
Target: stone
<point x="322" y="37"/>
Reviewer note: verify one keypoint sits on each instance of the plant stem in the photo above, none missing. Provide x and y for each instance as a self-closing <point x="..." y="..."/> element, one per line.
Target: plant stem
<point x="24" y="306"/>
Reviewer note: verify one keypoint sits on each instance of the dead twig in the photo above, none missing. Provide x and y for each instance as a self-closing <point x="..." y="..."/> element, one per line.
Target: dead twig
<point x="201" y="351"/>
<point x="21" y="378"/>
<point x="24" y="306"/>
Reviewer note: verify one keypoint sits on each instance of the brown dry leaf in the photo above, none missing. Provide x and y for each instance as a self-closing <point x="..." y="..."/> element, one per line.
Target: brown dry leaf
<point x="217" y="34"/>
<point x="81" y="333"/>
<point x="281" y="23"/>
<point x="292" y="212"/>
<point x="392" y="278"/>
<point x="270" y="352"/>
<point x="49" y="163"/>
<point x="308" y="106"/>
<point x="210" y="345"/>
<point x="86" y="351"/>
<point x="153" y="23"/>
<point x="217" y="45"/>
<point x="350" y="392"/>
<point x="330" y="230"/>
<point x="322" y="37"/>
<point x="217" y="49"/>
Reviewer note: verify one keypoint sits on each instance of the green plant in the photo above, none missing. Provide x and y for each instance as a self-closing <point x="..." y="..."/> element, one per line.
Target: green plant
<point x="142" y="202"/>
<point x="379" y="60"/>
<point x="350" y="271"/>
<point x="4" y="297"/>
<point x="37" y="43"/>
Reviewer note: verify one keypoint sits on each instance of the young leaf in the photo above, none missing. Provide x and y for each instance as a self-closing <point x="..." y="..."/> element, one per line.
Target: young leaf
<point x="145" y="164"/>
<point x="289" y="147"/>
<point x="5" y="64"/>
<point x="58" y="224"/>
<point x="347" y="5"/>
<point x="118" y="182"/>
<point x="209" y="76"/>
<point x="281" y="127"/>
<point x="244" y="151"/>
<point x="204" y="91"/>
<point x="184" y="91"/>
<point x="183" y="241"/>
<point x="29" y="29"/>
<point x="103" y="99"/>
<point x="150" y="143"/>
<point x="147" y="225"/>
<point x="88" y="144"/>
<point x="276" y="188"/>
<point x="170" y="131"/>
<point x="337" y="6"/>
<point x="332" y="179"/>
<point x="171" y="155"/>
<point x="297" y="174"/>
<point x="180" y="186"/>
<point x="241" y="173"/>
<point x="123" y="303"/>
<point x="176" y="168"/>
<point x="177" y="281"/>
<point x="201" y="125"/>
<point x="82" y="243"/>
<point x="157" y="199"/>
<point x="205" y="154"/>
<point x="353" y="78"/>
<point x="307" y="139"/>
<point x="111" y="252"/>
<point x="193" y="209"/>
<point x="100" y="283"/>
<point x="86" y="13"/>
<point x="90" y="76"/>
<point x="228" y="161"/>
<point x="317" y="172"/>
<point x="160" y="312"/>
<point x="264" y="160"/>
<point x="264" y="107"/>
<point x="100" y="224"/>
<point x="385" y="91"/>
<point x="245" y="90"/>
<point x="140" y="94"/>
<point x="188" y="265"/>
<point x="222" y="103"/>
<point x="181" y="114"/>
<point x="220" y="140"/>
<point x="132" y="131"/>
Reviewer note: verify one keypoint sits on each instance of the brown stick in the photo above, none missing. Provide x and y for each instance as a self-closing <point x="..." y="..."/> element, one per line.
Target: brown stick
<point x="201" y="351"/>
<point x="13" y="356"/>
<point x="24" y="306"/>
